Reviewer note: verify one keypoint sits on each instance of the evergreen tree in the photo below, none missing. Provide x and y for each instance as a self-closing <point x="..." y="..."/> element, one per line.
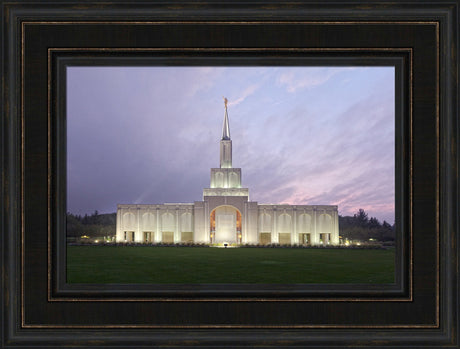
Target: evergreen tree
<point x="361" y="218"/>
<point x="374" y="223"/>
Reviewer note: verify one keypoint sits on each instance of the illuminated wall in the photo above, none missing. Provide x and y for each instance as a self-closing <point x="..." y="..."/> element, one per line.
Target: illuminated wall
<point x="196" y="220"/>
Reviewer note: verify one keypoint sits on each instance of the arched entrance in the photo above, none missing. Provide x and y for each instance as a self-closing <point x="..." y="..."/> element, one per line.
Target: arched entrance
<point x="225" y="225"/>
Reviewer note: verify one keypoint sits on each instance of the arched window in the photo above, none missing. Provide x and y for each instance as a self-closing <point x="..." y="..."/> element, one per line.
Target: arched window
<point x="284" y="223"/>
<point x="129" y="221"/>
<point x="233" y="180"/>
<point x="167" y="222"/>
<point x="265" y="223"/>
<point x="186" y="222"/>
<point x="304" y="223"/>
<point x="219" y="180"/>
<point x="148" y="221"/>
<point x="325" y="223"/>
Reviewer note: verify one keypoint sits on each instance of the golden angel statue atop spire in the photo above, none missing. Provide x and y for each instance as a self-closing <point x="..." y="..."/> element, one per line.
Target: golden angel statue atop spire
<point x="225" y="101"/>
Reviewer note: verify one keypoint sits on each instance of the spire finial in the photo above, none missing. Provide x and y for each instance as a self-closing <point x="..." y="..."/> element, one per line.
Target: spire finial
<point x="225" y="128"/>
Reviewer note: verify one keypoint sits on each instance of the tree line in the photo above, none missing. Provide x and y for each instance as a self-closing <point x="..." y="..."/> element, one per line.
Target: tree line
<point x="94" y="226"/>
<point x="361" y="227"/>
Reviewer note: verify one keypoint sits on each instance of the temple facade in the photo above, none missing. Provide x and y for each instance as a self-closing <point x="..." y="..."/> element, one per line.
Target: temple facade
<point x="226" y="216"/>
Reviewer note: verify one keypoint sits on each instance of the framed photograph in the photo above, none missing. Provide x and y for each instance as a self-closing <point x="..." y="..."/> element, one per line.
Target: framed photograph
<point x="114" y="116"/>
<point x="180" y="133"/>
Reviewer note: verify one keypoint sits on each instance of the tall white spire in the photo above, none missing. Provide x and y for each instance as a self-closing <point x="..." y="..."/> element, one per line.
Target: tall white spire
<point x="225" y="142"/>
<point x="226" y="127"/>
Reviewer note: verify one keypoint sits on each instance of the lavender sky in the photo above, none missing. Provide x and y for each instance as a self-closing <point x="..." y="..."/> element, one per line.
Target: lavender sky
<point x="302" y="135"/>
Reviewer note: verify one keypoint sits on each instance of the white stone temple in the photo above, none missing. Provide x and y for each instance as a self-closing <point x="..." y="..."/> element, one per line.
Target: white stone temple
<point x="226" y="216"/>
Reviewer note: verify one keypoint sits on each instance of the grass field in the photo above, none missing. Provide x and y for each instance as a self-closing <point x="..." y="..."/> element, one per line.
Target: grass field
<point x="119" y="264"/>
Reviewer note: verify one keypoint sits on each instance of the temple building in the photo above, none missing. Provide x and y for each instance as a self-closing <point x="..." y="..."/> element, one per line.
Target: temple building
<point x="226" y="216"/>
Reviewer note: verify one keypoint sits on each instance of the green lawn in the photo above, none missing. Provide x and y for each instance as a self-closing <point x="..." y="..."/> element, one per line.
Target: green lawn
<point x="119" y="264"/>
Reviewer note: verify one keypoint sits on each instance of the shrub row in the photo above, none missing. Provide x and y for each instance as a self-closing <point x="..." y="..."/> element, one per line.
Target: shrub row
<point x="140" y="244"/>
<point x="373" y="246"/>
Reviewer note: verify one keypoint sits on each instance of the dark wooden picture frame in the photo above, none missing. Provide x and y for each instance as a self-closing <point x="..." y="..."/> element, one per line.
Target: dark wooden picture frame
<point x="40" y="309"/>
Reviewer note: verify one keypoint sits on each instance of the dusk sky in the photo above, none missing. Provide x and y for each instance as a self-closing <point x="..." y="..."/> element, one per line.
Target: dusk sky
<point x="301" y="135"/>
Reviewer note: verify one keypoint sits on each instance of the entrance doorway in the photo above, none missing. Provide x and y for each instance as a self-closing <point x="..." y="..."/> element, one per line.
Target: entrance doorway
<point x="147" y="236"/>
<point x="167" y="237"/>
<point x="284" y="238"/>
<point x="265" y="238"/>
<point x="129" y="236"/>
<point x="186" y="237"/>
<point x="225" y="225"/>
<point x="325" y="238"/>
<point x="305" y="239"/>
